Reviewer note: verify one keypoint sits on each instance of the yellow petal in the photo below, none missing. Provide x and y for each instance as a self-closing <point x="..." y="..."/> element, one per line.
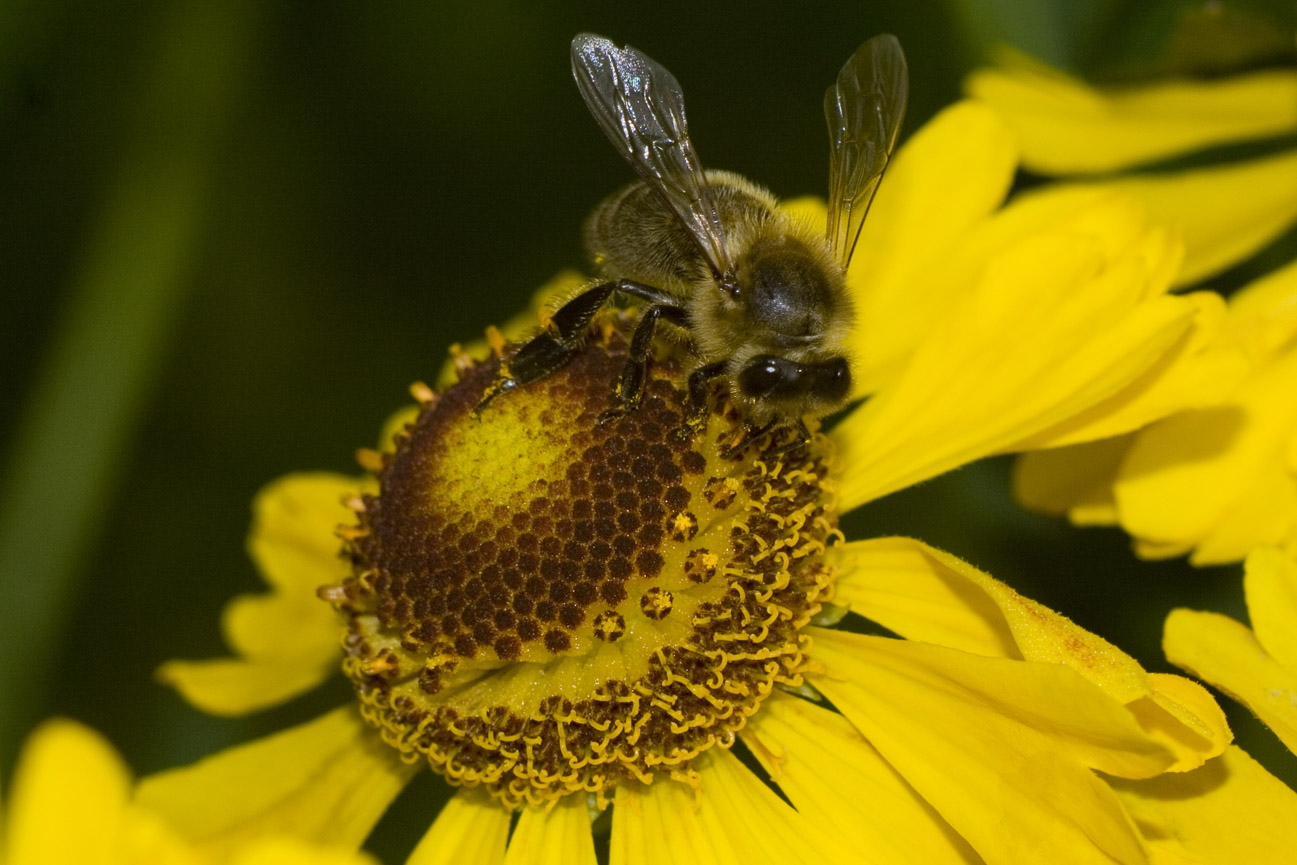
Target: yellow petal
<point x="1002" y="749"/>
<point x="1199" y="371"/>
<point x="906" y="586"/>
<point x="966" y="609"/>
<point x="732" y="819"/>
<point x="1223" y="213"/>
<point x="1015" y="356"/>
<point x="816" y="756"/>
<point x="924" y="594"/>
<point x="1226" y="654"/>
<point x="1182" y="715"/>
<point x="553" y="836"/>
<point x="290" y="851"/>
<point x="1270" y="584"/>
<point x="1263" y="315"/>
<point x="288" y="640"/>
<point x="68" y="799"/>
<point x="327" y="781"/>
<point x="1229" y="811"/>
<point x="949" y="177"/>
<point x="1067" y="126"/>
<point x="470" y="830"/>
<point x="292" y="539"/>
<point x="225" y="686"/>
<point x="1214" y="477"/>
<point x="1075" y="480"/>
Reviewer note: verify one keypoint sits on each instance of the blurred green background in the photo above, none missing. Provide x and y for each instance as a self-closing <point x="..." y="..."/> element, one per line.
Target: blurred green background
<point x="231" y="234"/>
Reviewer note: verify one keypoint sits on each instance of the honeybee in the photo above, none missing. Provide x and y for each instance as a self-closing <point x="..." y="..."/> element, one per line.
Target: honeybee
<point x="761" y="298"/>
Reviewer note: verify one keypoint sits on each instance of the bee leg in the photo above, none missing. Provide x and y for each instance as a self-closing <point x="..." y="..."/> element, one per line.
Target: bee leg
<point x="551" y="348"/>
<point x="696" y="403"/>
<point x="630" y="384"/>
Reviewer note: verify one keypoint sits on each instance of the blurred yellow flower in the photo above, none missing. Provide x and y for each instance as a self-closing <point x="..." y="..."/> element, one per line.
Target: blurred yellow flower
<point x="561" y="615"/>
<point x="1224" y="212"/>
<point x="1257" y="667"/>
<point x="70" y="803"/>
<point x="1215" y="482"/>
<point x="1222" y="479"/>
<point x="1232" y="810"/>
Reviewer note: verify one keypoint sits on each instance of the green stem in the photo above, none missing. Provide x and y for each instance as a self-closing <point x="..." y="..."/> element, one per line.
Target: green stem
<point x="94" y="388"/>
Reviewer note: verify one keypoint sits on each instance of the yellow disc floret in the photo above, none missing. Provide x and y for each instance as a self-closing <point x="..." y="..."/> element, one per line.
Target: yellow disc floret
<point x="545" y="602"/>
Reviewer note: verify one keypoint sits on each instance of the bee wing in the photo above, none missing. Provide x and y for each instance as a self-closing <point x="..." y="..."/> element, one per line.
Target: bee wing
<point x="640" y="107"/>
<point x="864" y="108"/>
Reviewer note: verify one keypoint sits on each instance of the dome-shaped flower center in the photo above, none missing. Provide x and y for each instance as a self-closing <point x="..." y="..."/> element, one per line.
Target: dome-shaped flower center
<point x="544" y="603"/>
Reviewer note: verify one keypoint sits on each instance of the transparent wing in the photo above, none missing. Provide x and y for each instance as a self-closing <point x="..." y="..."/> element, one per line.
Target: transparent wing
<point x="864" y="108"/>
<point x="641" y="109"/>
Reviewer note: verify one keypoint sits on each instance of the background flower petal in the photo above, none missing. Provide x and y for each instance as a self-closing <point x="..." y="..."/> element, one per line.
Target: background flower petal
<point x="1075" y="480"/>
<point x="1263" y="314"/>
<point x="290" y="851"/>
<point x="471" y="829"/>
<point x="949" y="177"/>
<point x="1229" y="811"/>
<point x="226" y="686"/>
<point x="66" y="771"/>
<point x="327" y="781"/>
<point x="828" y="770"/>
<point x="288" y="640"/>
<point x="1213" y="477"/>
<point x="1270" y="585"/>
<point x="1068" y="127"/>
<point x="1078" y="338"/>
<point x="1201" y="370"/>
<point x="1002" y="749"/>
<point x="1224" y="213"/>
<point x="1226" y="654"/>
<point x="559" y="835"/>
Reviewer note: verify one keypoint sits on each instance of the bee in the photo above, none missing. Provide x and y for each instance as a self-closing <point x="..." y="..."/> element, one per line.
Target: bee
<point x="761" y="298"/>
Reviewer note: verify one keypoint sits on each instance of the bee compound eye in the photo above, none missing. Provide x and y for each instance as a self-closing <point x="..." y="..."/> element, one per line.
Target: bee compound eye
<point x="766" y="375"/>
<point x="834" y="379"/>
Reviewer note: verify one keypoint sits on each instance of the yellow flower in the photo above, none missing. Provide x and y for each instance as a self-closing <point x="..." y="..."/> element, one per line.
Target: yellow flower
<point x="1232" y="810"/>
<point x="70" y="804"/>
<point x="1225" y="212"/>
<point x="1217" y="481"/>
<point x="1257" y="667"/>
<point x="1222" y="479"/>
<point x="560" y="615"/>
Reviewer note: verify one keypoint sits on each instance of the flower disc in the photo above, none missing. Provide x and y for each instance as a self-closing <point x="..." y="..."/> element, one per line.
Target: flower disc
<point x="544" y="603"/>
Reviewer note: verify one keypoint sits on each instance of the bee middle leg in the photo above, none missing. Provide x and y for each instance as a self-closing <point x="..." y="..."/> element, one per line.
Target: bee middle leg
<point x="630" y="384"/>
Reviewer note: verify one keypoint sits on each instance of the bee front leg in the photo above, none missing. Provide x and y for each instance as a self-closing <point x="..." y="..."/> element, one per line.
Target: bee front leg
<point x="699" y="382"/>
<point x="630" y="384"/>
<point x="551" y="348"/>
